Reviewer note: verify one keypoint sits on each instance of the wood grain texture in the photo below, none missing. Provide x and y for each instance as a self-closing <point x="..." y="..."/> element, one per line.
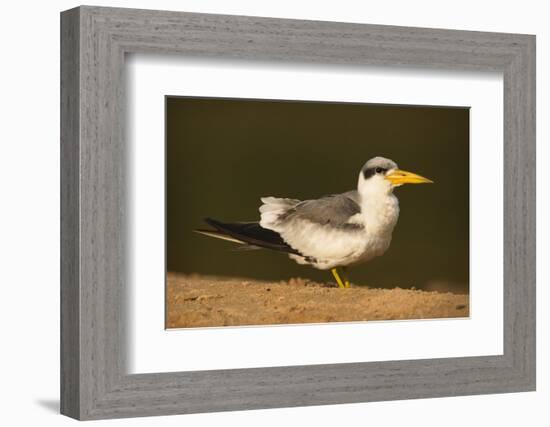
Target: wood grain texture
<point x="94" y="232"/>
<point x="70" y="221"/>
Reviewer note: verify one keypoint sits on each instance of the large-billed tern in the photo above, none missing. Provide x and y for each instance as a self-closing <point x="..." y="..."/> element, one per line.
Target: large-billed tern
<point x="332" y="232"/>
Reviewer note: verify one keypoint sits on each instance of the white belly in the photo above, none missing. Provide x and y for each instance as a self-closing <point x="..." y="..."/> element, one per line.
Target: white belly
<point x="326" y="247"/>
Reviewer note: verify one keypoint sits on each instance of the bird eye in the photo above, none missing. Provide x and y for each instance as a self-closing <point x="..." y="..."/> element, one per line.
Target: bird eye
<point x="379" y="170"/>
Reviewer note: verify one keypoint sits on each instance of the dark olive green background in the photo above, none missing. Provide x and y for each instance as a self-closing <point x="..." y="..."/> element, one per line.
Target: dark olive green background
<point x="222" y="155"/>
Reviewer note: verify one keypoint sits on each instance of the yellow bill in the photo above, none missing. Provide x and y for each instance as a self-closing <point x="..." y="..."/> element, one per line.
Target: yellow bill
<point x="400" y="177"/>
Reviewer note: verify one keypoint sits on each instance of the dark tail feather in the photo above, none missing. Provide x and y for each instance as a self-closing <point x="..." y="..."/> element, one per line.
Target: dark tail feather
<point x="250" y="233"/>
<point x="243" y="246"/>
<point x="218" y="235"/>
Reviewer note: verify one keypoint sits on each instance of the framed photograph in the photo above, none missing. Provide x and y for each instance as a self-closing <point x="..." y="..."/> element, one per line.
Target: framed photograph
<point x="296" y="148"/>
<point x="262" y="213"/>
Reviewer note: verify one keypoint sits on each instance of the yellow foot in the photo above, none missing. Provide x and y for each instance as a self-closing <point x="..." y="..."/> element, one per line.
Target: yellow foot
<point x="334" y="272"/>
<point x="347" y="283"/>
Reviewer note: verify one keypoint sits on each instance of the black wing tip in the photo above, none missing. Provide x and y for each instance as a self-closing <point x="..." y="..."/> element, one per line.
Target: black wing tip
<point x="247" y="232"/>
<point x="217" y="226"/>
<point x="212" y="222"/>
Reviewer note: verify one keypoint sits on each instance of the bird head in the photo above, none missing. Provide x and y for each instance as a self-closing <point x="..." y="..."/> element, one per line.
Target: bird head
<point x="381" y="174"/>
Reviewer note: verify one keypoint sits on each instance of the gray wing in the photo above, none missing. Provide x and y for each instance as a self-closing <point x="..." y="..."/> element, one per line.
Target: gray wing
<point x="334" y="210"/>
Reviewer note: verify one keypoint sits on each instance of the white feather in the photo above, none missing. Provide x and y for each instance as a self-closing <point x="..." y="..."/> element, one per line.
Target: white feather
<point x="272" y="209"/>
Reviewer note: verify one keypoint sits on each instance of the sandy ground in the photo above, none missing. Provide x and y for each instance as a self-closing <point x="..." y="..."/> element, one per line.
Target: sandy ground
<point x="198" y="301"/>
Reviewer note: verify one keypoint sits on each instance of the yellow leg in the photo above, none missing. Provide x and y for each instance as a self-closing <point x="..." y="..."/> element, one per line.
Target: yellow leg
<point x="345" y="276"/>
<point x="334" y="272"/>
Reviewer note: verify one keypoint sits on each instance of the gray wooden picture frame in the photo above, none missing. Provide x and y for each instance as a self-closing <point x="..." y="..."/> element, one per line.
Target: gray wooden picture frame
<point x="94" y="381"/>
